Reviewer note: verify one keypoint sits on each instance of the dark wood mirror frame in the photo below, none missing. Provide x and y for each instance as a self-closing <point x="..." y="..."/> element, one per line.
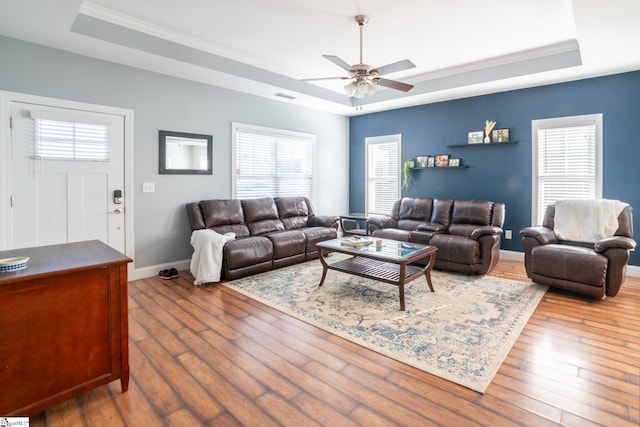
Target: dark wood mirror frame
<point x="168" y="138"/>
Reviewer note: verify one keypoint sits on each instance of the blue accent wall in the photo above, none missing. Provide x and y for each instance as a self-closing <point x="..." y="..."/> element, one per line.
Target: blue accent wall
<point x="503" y="173"/>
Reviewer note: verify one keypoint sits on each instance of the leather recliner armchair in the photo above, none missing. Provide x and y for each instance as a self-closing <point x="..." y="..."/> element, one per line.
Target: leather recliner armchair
<point x="593" y="269"/>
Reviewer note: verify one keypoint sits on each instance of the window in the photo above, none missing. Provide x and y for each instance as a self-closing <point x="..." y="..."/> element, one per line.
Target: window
<point x="272" y="162"/>
<point x="383" y="173"/>
<point x="70" y="139"/>
<point x="567" y="161"/>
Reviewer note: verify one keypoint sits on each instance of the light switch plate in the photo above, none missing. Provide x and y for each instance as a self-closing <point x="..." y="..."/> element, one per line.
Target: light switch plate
<point x="148" y="187"/>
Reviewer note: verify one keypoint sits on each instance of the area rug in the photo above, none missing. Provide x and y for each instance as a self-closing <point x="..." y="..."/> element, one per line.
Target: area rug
<point x="462" y="332"/>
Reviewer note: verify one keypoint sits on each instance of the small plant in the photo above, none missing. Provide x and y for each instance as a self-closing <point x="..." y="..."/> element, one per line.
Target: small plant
<point x="406" y="170"/>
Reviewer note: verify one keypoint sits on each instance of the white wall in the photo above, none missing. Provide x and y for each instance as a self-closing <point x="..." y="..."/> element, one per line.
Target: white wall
<point x="167" y="103"/>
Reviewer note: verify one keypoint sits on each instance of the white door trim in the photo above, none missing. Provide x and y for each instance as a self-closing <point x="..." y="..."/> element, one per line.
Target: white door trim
<point x="6" y="98"/>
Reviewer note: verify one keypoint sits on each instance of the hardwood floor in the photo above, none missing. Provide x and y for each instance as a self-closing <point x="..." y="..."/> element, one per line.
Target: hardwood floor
<point x="209" y="356"/>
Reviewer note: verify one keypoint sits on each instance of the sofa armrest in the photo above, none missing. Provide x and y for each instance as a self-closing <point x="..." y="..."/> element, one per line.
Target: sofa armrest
<point x="376" y="222"/>
<point x="615" y="242"/>
<point x="194" y="214"/>
<point x="486" y="230"/>
<point x="323" y="221"/>
<point x="544" y="235"/>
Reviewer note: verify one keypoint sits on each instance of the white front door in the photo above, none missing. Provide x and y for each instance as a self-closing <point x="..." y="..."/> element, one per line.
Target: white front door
<point x="63" y="180"/>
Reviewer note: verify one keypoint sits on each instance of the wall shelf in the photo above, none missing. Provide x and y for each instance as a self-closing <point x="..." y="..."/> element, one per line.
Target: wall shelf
<point x="441" y="167"/>
<point x="483" y="145"/>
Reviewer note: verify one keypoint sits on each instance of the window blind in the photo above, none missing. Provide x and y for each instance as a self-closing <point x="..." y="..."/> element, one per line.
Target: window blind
<point x="67" y="140"/>
<point x="566" y="164"/>
<point x="383" y="175"/>
<point x="272" y="163"/>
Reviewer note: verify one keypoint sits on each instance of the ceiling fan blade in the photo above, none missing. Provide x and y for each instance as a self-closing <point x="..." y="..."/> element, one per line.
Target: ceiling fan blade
<point x="326" y="78"/>
<point x="339" y="62"/>
<point x="393" y="84"/>
<point x="396" y="66"/>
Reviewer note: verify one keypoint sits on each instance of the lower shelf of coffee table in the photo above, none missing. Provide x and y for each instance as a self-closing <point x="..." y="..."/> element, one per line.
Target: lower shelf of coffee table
<point x="374" y="269"/>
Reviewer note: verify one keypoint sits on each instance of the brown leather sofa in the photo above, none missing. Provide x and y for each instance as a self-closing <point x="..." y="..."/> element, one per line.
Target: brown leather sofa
<point x="270" y="232"/>
<point x="596" y="270"/>
<point x="466" y="232"/>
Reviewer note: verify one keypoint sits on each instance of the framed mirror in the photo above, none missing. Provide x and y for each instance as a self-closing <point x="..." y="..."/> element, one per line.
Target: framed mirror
<point x="185" y="153"/>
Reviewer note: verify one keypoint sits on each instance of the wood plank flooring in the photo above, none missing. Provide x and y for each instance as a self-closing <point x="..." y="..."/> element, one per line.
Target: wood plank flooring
<point x="209" y="356"/>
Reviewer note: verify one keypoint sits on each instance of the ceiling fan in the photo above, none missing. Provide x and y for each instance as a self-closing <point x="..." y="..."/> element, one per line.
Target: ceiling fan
<point x="365" y="77"/>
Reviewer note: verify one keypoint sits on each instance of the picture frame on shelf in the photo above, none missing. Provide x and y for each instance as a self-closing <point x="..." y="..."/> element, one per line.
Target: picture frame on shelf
<point x="421" y="161"/>
<point x="500" y="135"/>
<point x="431" y="161"/>
<point x="475" y="137"/>
<point x="442" y="160"/>
<point x="454" y="163"/>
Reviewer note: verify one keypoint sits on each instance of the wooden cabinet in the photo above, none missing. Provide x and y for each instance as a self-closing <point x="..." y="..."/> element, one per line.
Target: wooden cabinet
<point x="64" y="328"/>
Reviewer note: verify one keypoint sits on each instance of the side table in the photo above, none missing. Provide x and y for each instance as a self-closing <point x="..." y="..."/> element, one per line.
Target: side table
<point x="354" y="224"/>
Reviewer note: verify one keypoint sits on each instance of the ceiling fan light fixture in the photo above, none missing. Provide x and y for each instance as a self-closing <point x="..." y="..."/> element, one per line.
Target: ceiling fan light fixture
<point x="359" y="88"/>
<point x="366" y="78"/>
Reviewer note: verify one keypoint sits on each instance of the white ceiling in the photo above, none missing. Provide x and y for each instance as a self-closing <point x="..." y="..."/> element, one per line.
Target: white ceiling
<point x="461" y="48"/>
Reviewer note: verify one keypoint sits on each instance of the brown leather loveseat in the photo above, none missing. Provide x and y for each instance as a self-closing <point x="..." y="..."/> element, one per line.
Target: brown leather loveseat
<point x="269" y="232"/>
<point x="466" y="232"/>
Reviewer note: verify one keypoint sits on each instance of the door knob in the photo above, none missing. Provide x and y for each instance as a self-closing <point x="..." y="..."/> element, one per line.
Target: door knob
<point x="117" y="211"/>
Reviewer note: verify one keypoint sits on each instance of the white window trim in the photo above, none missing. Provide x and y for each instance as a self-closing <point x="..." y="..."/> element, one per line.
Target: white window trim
<point x="556" y="123"/>
<point x="380" y="140"/>
<point x="275" y="131"/>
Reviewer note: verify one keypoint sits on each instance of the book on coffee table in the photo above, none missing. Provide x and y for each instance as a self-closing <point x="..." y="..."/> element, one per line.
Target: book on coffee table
<point x="356" y="242"/>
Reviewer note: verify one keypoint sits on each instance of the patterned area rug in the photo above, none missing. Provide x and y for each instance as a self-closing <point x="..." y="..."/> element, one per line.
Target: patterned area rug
<point x="462" y="332"/>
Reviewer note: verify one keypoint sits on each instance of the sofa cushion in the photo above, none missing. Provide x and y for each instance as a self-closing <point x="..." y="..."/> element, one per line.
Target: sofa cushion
<point x="462" y="229"/>
<point x="415" y="209"/>
<point x="471" y="212"/>
<point x="409" y="224"/>
<point x="261" y="216"/>
<point x="259" y="209"/>
<point x="291" y="207"/>
<point x="247" y="251"/>
<point x="433" y="227"/>
<point x="458" y="249"/>
<point x="224" y="216"/>
<point x="221" y="212"/>
<point x="570" y="263"/>
<point x="422" y="237"/>
<point x="314" y="235"/>
<point x="393" y="234"/>
<point x="240" y="230"/>
<point x="293" y="212"/>
<point x="287" y="243"/>
<point x="264" y="227"/>
<point x="441" y="211"/>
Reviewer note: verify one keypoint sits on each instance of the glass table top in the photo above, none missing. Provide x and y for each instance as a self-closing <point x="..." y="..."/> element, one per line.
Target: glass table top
<point x="369" y="245"/>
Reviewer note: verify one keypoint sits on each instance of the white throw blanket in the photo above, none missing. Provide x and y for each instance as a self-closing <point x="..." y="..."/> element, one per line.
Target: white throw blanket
<point x="206" y="262"/>
<point x="587" y="220"/>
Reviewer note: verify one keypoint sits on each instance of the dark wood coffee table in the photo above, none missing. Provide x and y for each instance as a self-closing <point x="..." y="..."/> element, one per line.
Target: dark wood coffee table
<point x="388" y="263"/>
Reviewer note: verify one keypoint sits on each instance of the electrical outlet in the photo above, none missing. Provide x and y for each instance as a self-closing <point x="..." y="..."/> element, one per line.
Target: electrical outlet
<point x="507" y="234"/>
<point x="148" y="187"/>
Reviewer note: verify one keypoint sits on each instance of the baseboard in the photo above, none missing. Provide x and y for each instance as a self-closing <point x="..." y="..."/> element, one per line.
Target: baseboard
<point x="144" y="272"/>
<point x="511" y="255"/>
<point x="632" y="270"/>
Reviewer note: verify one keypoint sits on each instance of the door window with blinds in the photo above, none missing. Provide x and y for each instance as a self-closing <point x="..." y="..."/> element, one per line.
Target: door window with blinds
<point x="272" y="162"/>
<point x="567" y="161"/>
<point x="383" y="173"/>
<point x="71" y="138"/>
